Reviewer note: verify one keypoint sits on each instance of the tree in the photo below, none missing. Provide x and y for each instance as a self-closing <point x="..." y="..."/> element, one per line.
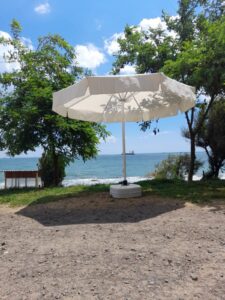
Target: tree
<point x="27" y="119"/>
<point x="201" y="63"/>
<point x="47" y="170"/>
<point x="193" y="55"/>
<point x="211" y="137"/>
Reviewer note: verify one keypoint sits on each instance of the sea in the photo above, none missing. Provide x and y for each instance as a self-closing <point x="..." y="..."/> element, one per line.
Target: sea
<point x="102" y="169"/>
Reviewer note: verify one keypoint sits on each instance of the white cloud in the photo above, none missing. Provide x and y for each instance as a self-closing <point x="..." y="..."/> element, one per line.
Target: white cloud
<point x="89" y="56"/>
<point x="5" y="35"/>
<point x="155" y="23"/>
<point x="111" y="45"/>
<point x="5" y="49"/>
<point x="43" y="8"/>
<point x="145" y="24"/>
<point x="128" y="70"/>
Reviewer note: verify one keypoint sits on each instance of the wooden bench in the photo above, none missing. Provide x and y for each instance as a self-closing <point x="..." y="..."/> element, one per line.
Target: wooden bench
<point x="17" y="175"/>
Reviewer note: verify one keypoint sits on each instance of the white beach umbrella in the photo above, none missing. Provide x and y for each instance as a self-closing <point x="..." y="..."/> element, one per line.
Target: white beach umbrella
<point x="134" y="98"/>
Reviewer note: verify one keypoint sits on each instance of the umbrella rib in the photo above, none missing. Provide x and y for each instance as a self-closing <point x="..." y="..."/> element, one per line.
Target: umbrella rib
<point x="131" y="95"/>
<point x="104" y="111"/>
<point x="78" y="101"/>
<point x="138" y="105"/>
<point x="124" y="98"/>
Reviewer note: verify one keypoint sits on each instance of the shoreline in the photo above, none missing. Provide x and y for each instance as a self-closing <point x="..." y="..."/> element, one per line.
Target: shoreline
<point x="93" y="181"/>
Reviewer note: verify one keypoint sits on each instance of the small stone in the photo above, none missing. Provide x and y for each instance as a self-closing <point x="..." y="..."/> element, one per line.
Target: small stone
<point x="194" y="277"/>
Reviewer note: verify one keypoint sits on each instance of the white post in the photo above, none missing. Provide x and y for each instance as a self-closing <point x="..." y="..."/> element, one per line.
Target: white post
<point x="124" y="147"/>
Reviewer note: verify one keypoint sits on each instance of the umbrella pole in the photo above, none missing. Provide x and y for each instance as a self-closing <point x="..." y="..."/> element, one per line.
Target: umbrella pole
<point x="124" y="150"/>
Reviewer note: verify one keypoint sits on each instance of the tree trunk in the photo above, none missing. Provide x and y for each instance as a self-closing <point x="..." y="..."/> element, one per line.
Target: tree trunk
<point x="218" y="166"/>
<point x="192" y="158"/>
<point x="56" y="169"/>
<point x="216" y="175"/>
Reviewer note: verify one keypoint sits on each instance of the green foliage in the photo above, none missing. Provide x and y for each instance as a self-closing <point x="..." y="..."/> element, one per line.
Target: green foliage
<point x="52" y="169"/>
<point x="15" y="29"/>
<point x="211" y="137"/>
<point x="175" y="167"/>
<point x="202" y="62"/>
<point x="27" y="119"/>
<point x="184" y="24"/>
<point x="147" y="50"/>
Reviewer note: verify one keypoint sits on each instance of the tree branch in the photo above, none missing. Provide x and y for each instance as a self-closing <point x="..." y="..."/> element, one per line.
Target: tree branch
<point x="200" y="123"/>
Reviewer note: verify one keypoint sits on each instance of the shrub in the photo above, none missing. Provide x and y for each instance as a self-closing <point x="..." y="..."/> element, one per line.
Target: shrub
<point x="175" y="167"/>
<point x="52" y="168"/>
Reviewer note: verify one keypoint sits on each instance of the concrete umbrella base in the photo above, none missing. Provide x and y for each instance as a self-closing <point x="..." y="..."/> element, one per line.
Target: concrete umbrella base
<point x="125" y="191"/>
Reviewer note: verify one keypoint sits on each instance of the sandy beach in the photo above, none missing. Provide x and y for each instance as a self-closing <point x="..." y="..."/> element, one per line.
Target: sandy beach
<point x="95" y="247"/>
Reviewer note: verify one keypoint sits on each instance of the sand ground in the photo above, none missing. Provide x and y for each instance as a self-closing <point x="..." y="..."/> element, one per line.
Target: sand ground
<point x="94" y="247"/>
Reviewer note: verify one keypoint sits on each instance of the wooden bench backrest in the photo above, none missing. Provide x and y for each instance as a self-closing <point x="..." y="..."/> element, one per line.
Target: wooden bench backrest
<point x="21" y="174"/>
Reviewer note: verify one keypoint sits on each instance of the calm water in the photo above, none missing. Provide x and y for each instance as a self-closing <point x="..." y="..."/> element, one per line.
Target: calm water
<point x="105" y="168"/>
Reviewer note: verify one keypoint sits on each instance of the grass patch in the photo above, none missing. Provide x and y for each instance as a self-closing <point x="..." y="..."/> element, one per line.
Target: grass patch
<point x="25" y="196"/>
<point x="197" y="192"/>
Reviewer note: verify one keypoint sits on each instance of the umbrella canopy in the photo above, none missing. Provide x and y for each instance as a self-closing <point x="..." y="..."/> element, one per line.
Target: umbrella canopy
<point x="140" y="97"/>
<point x="124" y="98"/>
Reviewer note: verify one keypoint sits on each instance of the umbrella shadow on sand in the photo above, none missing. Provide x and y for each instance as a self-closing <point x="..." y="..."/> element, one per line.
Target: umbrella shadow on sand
<point x="99" y="208"/>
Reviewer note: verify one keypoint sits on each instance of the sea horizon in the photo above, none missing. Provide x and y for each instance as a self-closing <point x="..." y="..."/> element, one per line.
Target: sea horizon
<point x="99" y="154"/>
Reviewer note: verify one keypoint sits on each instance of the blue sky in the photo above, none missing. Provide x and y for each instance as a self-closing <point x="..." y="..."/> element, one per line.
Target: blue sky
<point x="92" y="27"/>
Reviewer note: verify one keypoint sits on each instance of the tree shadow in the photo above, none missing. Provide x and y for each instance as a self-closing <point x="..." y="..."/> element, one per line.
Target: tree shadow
<point x="99" y="207"/>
